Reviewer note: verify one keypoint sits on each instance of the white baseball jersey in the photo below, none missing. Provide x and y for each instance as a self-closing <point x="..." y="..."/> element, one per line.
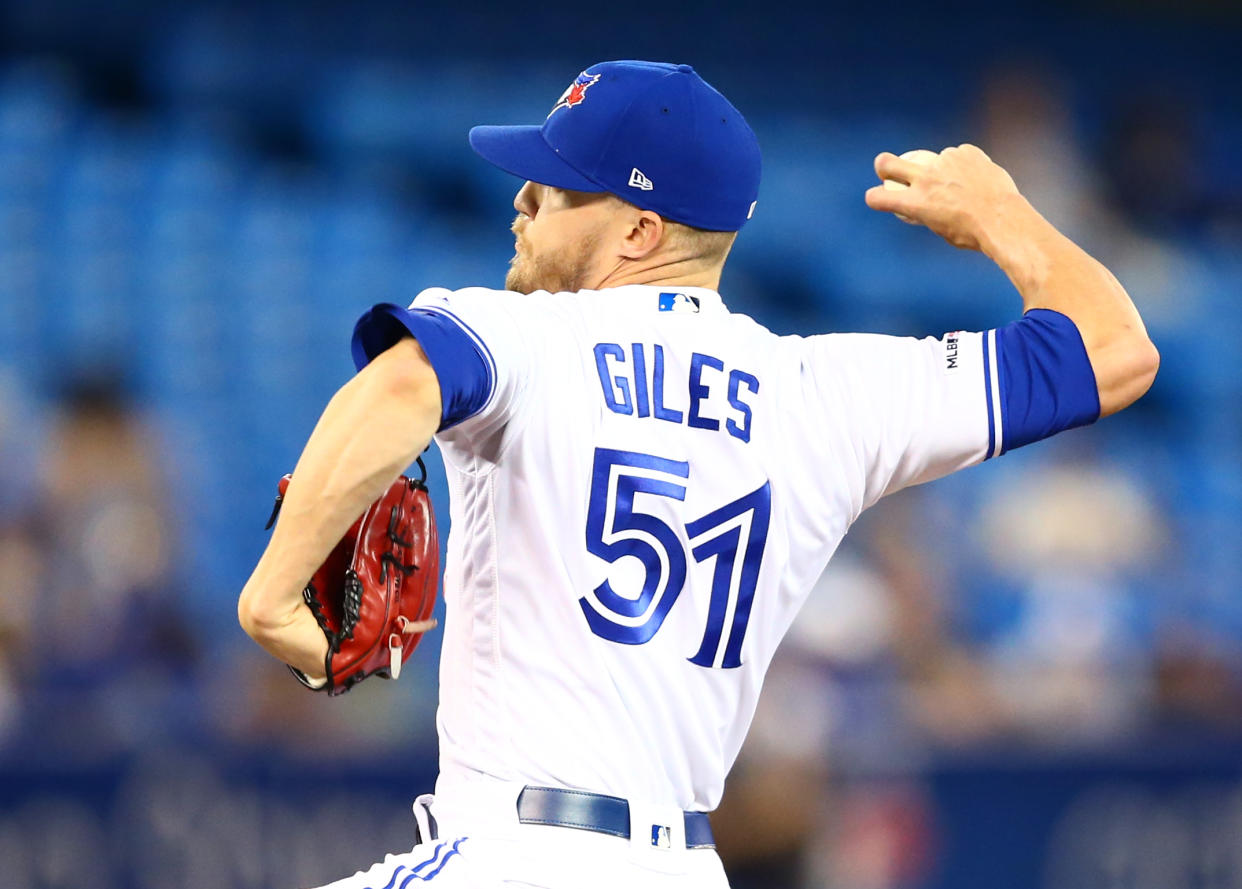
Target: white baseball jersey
<point x="644" y="491"/>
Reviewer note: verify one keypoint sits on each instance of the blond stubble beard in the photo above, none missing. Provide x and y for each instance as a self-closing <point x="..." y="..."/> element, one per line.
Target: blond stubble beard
<point x="565" y="271"/>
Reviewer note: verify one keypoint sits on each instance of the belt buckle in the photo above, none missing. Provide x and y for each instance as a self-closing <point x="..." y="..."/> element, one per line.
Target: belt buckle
<point x="657" y="827"/>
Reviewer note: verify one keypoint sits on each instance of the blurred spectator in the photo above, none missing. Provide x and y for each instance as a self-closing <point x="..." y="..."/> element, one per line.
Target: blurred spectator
<point x="1152" y="165"/>
<point x="1068" y="543"/>
<point x="102" y="640"/>
<point x="1197" y="677"/>
<point x="823" y="793"/>
<point x="20" y="566"/>
<point x="1026" y="124"/>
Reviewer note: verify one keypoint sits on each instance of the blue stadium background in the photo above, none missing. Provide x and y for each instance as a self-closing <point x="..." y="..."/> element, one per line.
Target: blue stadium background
<point x="196" y="202"/>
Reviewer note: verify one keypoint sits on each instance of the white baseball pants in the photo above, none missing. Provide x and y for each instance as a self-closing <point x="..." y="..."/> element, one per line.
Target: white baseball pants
<point x="482" y="845"/>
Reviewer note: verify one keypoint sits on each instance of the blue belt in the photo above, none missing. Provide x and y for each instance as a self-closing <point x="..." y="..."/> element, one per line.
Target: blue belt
<point x="602" y="814"/>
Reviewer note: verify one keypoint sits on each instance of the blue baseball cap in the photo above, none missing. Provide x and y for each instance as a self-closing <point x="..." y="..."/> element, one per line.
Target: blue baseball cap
<point x="653" y="134"/>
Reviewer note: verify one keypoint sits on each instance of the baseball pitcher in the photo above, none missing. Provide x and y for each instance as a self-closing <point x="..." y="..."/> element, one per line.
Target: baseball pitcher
<point x="644" y="485"/>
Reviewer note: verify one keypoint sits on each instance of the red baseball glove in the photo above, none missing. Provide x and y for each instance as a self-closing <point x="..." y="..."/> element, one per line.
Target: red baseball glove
<point x="374" y="594"/>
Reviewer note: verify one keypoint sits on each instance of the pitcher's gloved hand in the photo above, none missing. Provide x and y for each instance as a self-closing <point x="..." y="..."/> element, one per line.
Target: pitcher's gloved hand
<point x="374" y="594"/>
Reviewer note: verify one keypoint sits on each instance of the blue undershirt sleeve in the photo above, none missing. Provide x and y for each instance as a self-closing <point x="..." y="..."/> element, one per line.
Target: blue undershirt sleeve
<point x="1044" y="377"/>
<point x="466" y="380"/>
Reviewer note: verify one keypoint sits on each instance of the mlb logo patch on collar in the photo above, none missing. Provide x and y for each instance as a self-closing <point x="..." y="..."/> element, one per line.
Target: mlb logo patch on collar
<point x="678" y="302"/>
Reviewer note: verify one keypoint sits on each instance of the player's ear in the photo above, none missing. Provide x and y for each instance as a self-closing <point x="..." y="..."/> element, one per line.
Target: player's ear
<point x="642" y="233"/>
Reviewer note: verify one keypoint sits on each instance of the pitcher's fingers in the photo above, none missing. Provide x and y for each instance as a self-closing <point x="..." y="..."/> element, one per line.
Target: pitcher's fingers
<point x="409" y="627"/>
<point x="890" y="166"/>
<point x="889" y="200"/>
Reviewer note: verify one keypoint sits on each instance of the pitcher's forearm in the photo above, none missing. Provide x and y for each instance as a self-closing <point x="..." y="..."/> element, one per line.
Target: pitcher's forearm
<point x="373" y="428"/>
<point x="1052" y="272"/>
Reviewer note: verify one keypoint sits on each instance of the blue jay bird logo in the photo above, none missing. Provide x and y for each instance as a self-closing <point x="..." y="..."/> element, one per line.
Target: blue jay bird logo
<point x="576" y="92"/>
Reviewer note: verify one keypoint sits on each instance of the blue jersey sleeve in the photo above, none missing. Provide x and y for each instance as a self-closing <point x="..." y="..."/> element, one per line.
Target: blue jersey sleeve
<point x="1040" y="381"/>
<point x="460" y="362"/>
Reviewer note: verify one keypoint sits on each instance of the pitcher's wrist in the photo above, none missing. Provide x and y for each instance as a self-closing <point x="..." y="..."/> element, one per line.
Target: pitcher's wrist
<point x="1016" y="237"/>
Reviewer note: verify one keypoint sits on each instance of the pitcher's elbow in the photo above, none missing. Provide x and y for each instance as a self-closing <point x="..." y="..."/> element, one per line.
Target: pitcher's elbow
<point x="1147" y="359"/>
<point x="258" y="622"/>
<point x="1134" y="373"/>
<point x="247" y="616"/>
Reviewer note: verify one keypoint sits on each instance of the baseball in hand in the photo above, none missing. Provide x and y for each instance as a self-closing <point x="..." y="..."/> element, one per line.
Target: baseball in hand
<point x="918" y="156"/>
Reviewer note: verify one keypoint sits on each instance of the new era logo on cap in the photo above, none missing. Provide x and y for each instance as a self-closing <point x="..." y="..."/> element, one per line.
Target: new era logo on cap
<point x="638" y="180"/>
